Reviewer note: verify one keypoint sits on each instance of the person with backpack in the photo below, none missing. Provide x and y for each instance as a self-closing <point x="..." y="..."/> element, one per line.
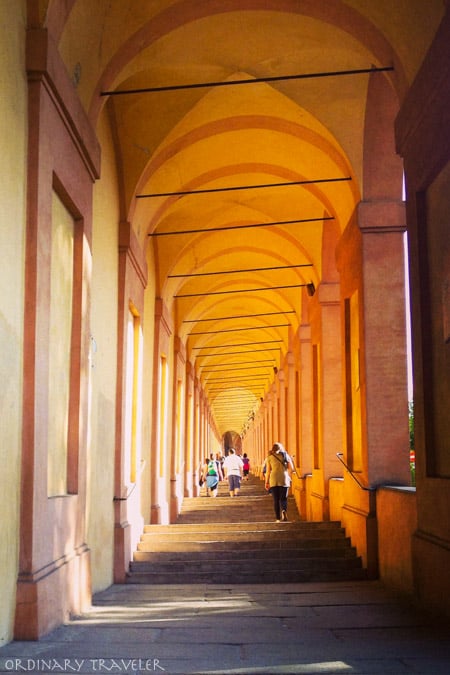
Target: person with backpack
<point x="212" y="473"/>
<point x="279" y="467"/>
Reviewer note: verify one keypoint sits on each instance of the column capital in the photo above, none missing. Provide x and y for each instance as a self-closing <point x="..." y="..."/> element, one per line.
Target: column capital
<point x="179" y="348"/>
<point x="290" y="359"/>
<point x="329" y="294"/>
<point x="381" y="216"/>
<point x="304" y="333"/>
<point x="162" y="314"/>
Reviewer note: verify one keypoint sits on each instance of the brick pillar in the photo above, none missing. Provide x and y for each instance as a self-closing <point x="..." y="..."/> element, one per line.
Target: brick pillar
<point x="384" y="372"/>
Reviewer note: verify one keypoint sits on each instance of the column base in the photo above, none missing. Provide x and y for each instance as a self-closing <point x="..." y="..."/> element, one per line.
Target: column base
<point x="122" y="551"/>
<point x="429" y="555"/>
<point x="48" y="597"/>
<point x="155" y="515"/>
<point x="362" y="527"/>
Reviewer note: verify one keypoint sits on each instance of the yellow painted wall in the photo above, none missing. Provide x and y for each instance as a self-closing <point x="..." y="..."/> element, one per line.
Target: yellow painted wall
<point x="13" y="121"/>
<point x="103" y="373"/>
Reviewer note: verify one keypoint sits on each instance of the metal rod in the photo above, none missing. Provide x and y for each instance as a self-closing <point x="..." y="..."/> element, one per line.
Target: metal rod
<point x="226" y="396"/>
<point x="227" y="370"/>
<point x="235" y="388"/>
<point x="215" y="389"/>
<point x="238" y="290"/>
<point x="247" y="403"/>
<point x="239" y="227"/>
<point x="236" y="394"/>
<point x="231" y="188"/>
<point x="240" y="363"/>
<point x="234" y="378"/>
<point x="253" y="80"/>
<point x="227" y="405"/>
<point x="217" y="402"/>
<point x="241" y="316"/>
<point x="370" y="488"/>
<point x="235" y="411"/>
<point x="254" y="269"/>
<point x="241" y="344"/>
<point x="247" y="351"/>
<point x="223" y="391"/>
<point x="235" y="330"/>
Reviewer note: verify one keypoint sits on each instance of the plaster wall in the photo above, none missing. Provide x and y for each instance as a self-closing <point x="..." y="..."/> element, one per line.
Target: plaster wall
<point x="13" y="124"/>
<point x="396" y="512"/>
<point x="63" y="157"/>
<point x="103" y="371"/>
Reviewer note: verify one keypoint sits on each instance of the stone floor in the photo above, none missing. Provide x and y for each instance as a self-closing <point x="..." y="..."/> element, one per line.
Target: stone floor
<point x="344" y="627"/>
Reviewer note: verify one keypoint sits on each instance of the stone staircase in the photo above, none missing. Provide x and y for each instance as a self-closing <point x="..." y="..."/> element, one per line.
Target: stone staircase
<point x="236" y="540"/>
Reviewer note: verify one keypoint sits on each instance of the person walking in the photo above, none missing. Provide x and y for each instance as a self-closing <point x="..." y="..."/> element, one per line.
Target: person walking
<point x="220" y="459"/>
<point x="233" y="467"/>
<point x="212" y="474"/>
<point x="278" y="479"/>
<point x="246" y="462"/>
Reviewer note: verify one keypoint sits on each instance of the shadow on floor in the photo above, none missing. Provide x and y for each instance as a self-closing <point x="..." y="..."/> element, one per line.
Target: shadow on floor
<point x="342" y="627"/>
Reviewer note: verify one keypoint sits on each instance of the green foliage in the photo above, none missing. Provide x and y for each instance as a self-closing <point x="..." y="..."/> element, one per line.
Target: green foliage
<point x="412" y="463"/>
<point x="411" y="424"/>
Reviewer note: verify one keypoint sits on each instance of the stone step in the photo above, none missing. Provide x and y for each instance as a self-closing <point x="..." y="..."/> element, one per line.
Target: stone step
<point x="279" y="575"/>
<point x="251" y="553"/>
<point x="236" y="540"/>
<point x="233" y="538"/>
<point x="255" y="566"/>
<point x="177" y="545"/>
<point x="297" y="527"/>
<point x="231" y="510"/>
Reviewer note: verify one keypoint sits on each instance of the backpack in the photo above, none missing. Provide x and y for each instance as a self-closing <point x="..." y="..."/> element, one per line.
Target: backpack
<point x="212" y="468"/>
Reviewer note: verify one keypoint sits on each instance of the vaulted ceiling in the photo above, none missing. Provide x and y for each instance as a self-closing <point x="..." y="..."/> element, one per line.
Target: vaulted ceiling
<point x="234" y="185"/>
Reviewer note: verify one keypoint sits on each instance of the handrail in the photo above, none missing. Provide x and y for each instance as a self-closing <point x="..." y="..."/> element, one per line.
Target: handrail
<point x="133" y="486"/>
<point x="129" y="493"/>
<point x="340" y="455"/>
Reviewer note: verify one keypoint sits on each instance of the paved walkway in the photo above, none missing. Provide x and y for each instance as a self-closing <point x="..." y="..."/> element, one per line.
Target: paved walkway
<point x="302" y="628"/>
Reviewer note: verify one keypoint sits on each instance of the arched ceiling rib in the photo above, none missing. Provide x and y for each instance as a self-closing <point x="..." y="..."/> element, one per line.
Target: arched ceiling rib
<point x="241" y="135"/>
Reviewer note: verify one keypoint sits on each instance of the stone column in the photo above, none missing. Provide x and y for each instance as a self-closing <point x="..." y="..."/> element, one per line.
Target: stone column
<point x="306" y="400"/>
<point x="160" y="438"/>
<point x="178" y="428"/>
<point x="282" y="407"/>
<point x="291" y="412"/>
<point x="327" y="384"/>
<point x="275" y="413"/>
<point x="196" y="432"/>
<point x="190" y="480"/>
